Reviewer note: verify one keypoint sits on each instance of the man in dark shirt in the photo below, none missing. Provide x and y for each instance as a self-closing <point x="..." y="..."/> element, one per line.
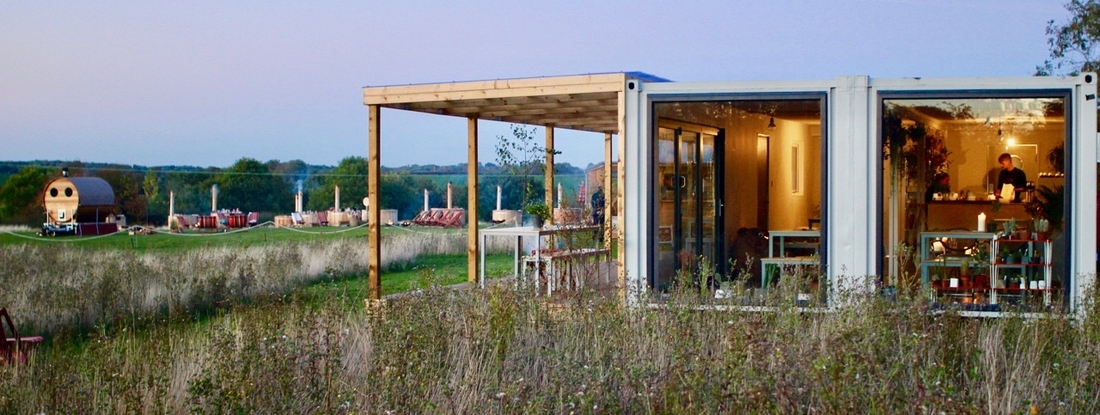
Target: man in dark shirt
<point x="597" y="211"/>
<point x="1010" y="175"/>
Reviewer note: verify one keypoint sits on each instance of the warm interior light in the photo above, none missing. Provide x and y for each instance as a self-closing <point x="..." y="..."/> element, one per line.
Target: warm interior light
<point x="1011" y="142"/>
<point x="771" y="123"/>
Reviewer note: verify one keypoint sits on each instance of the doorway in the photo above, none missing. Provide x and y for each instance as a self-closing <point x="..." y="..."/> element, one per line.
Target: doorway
<point x="690" y="227"/>
<point x="727" y="174"/>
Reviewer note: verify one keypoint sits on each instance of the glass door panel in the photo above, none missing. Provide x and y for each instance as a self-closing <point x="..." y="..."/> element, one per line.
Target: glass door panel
<point x="667" y="186"/>
<point x="687" y="199"/>
<point x="688" y="188"/>
<point x="708" y="200"/>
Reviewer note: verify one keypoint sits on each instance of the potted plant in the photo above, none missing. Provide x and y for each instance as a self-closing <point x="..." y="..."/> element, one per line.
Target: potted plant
<point x="1007" y="257"/>
<point x="1008" y="228"/>
<point x="525" y="160"/>
<point x="1042" y="229"/>
<point x="1036" y="259"/>
<point x="539" y="213"/>
<point x="1048" y="205"/>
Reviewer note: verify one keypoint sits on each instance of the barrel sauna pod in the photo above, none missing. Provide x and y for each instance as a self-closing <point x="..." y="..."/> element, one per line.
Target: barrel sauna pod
<point x="75" y="203"/>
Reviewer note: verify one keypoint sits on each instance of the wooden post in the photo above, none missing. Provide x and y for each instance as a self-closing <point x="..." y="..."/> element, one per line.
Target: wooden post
<point x="472" y="253"/>
<point x="607" y="190"/>
<point x="619" y="197"/>
<point x="549" y="185"/>
<point x="374" y="172"/>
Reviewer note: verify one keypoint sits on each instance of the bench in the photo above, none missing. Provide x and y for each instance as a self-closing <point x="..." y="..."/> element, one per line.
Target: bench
<point x="15" y="349"/>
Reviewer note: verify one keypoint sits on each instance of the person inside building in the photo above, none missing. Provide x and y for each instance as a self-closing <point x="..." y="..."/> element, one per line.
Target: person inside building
<point x="1010" y="175"/>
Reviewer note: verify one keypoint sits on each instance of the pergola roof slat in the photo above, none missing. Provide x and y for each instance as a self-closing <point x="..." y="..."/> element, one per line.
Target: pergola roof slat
<point x="581" y="102"/>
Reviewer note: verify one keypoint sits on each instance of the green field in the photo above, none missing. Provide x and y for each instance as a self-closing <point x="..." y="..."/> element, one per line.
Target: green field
<point x="190" y="240"/>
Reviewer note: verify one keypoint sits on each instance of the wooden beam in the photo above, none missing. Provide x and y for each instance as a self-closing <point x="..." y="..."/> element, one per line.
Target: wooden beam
<point x="472" y="254"/>
<point x="562" y="111"/>
<point x="549" y="185"/>
<point x="374" y="172"/>
<point x="512" y="104"/>
<point x="454" y="91"/>
<point x="491" y="93"/>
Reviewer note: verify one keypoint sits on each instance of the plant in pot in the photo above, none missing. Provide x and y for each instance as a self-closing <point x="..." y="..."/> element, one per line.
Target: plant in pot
<point x="1042" y="229"/>
<point x="1016" y="257"/>
<point x="526" y="161"/>
<point x="539" y="213"/>
<point x="1007" y="257"/>
<point x="1048" y="205"/>
<point x="1008" y="228"/>
<point x="1036" y="259"/>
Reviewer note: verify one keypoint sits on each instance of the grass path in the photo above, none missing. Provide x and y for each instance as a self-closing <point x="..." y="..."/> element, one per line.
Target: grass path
<point x="434" y="269"/>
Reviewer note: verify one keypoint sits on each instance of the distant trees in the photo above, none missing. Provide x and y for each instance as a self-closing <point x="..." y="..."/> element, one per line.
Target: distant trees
<point x="142" y="194"/>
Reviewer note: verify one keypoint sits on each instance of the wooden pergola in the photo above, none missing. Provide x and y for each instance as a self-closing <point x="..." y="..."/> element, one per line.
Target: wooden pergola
<point x="594" y="103"/>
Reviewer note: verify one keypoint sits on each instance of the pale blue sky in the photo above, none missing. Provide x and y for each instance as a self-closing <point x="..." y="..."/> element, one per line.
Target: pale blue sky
<point x="207" y="82"/>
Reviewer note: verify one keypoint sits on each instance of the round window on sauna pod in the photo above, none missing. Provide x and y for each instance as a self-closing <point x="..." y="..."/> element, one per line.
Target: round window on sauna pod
<point x="78" y="200"/>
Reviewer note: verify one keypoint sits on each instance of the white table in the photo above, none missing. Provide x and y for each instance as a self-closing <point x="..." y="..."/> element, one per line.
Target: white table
<point x="519" y="232"/>
<point x="779" y="237"/>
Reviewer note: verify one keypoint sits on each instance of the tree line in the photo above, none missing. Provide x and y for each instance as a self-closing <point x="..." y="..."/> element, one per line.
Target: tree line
<point x="142" y="193"/>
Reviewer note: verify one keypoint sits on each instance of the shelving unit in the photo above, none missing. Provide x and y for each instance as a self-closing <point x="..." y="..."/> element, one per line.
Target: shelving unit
<point x="997" y="288"/>
<point x="1028" y="271"/>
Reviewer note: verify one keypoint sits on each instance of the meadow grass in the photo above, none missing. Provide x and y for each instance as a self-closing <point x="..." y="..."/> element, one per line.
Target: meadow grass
<point x="53" y="288"/>
<point x="283" y="328"/>
<point x="503" y="350"/>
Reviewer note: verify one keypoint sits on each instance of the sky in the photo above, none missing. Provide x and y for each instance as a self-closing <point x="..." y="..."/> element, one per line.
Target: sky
<point x="208" y="82"/>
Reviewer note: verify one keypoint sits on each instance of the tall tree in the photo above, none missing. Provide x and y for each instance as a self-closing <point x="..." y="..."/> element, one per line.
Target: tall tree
<point x="1073" y="43"/>
<point x="351" y="176"/>
<point x="156" y="210"/>
<point x="128" y="198"/>
<point x="249" y="186"/>
<point x="21" y="197"/>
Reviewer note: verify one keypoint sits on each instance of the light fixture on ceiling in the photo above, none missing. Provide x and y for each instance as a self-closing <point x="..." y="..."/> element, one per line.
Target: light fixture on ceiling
<point x="771" y="123"/>
<point x="999" y="136"/>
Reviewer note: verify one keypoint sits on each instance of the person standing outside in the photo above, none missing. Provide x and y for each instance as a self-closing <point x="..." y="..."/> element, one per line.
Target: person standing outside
<point x="1010" y="175"/>
<point x="597" y="209"/>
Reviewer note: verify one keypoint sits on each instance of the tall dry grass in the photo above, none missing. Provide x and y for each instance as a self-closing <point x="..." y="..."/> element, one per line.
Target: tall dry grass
<point x="54" y="288"/>
<point x="500" y="350"/>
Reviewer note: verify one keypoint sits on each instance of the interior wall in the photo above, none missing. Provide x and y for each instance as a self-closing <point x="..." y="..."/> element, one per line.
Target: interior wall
<point x="974" y="153"/>
<point x="741" y="173"/>
<point x="790" y="210"/>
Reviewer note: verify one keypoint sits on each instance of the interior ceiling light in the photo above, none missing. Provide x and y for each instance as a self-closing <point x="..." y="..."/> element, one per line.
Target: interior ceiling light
<point x="771" y="123"/>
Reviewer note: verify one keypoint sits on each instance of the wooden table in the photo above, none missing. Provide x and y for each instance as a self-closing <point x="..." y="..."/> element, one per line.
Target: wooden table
<point x="518" y="233"/>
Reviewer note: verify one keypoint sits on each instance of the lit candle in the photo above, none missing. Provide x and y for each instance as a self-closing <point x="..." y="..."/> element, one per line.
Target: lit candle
<point x="981" y="222"/>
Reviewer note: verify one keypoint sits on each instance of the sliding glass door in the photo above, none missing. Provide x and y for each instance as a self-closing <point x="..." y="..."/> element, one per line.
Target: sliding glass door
<point x="689" y="231"/>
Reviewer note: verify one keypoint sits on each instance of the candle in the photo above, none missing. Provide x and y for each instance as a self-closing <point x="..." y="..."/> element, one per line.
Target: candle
<point x="981" y="222"/>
